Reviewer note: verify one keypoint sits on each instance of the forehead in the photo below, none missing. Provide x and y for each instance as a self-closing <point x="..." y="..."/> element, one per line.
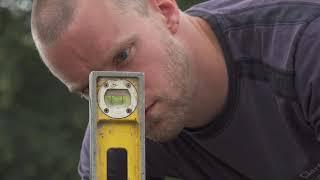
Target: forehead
<point x="100" y="24"/>
<point x="96" y="30"/>
<point x="94" y="19"/>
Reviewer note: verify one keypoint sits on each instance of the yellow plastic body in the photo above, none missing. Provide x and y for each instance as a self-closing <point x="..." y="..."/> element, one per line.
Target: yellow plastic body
<point x="118" y="133"/>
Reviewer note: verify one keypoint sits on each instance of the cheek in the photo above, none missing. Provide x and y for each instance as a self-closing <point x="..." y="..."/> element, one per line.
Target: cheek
<point x="154" y="79"/>
<point x="155" y="74"/>
<point x="152" y="59"/>
<point x="153" y="64"/>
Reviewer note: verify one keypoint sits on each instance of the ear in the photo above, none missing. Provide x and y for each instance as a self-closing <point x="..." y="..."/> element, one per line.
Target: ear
<point x="170" y="13"/>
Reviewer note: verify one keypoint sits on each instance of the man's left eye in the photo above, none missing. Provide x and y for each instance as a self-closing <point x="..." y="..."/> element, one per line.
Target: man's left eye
<point x="84" y="94"/>
<point x="122" y="56"/>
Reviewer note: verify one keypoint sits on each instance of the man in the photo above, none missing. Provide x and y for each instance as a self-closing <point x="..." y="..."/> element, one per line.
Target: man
<point x="232" y="86"/>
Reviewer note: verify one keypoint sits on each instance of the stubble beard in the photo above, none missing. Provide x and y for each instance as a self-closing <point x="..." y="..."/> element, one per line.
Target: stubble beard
<point x="167" y="125"/>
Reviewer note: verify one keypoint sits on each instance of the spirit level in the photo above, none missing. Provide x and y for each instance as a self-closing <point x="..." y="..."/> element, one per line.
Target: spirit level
<point x="117" y="150"/>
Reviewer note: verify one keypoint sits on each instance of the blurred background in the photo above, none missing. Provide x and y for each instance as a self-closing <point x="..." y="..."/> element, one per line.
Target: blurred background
<point x="41" y="124"/>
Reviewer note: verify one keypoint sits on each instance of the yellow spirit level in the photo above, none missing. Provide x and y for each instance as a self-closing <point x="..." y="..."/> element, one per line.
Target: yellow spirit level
<point x="117" y="150"/>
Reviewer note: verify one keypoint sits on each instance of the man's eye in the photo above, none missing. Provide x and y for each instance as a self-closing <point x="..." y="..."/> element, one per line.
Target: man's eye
<point x="122" y="56"/>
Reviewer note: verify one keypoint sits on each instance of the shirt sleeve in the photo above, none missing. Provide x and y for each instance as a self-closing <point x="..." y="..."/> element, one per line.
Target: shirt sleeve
<point x="84" y="162"/>
<point x="307" y="77"/>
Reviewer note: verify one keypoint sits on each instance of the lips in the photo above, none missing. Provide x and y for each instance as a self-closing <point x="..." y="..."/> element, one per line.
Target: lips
<point x="149" y="107"/>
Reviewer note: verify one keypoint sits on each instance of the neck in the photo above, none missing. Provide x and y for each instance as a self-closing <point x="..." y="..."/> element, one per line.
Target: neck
<point x="210" y="70"/>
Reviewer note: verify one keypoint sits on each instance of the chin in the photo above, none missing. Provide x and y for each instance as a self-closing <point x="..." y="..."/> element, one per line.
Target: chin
<point x="161" y="139"/>
<point x="163" y="133"/>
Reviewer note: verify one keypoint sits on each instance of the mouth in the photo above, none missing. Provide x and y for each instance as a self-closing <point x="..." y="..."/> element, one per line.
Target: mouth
<point x="149" y="107"/>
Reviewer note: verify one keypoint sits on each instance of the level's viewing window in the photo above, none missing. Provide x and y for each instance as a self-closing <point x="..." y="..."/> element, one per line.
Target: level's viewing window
<point x="117" y="97"/>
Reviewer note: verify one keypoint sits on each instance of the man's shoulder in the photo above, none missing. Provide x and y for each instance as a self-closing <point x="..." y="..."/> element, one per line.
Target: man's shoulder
<point x="233" y="6"/>
<point x="263" y="30"/>
<point x="234" y="13"/>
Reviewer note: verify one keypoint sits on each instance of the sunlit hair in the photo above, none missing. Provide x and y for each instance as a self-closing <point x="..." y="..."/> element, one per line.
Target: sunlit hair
<point x="50" y="18"/>
<point x="139" y="5"/>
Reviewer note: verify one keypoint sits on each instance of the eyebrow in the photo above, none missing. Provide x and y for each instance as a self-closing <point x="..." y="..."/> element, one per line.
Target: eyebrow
<point x="120" y="44"/>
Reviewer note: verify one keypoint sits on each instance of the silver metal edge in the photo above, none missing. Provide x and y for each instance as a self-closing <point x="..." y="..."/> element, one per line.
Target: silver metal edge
<point x="92" y="111"/>
<point x="142" y="129"/>
<point x="92" y="83"/>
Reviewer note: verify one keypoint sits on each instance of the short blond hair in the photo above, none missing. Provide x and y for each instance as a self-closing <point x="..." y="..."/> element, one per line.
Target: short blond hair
<point x="50" y="18"/>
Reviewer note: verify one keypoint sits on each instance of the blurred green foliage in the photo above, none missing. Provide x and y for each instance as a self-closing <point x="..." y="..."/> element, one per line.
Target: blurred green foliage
<point x="41" y="124"/>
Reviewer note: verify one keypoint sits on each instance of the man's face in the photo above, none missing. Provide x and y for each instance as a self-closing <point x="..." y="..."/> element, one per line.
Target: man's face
<point x="103" y="38"/>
